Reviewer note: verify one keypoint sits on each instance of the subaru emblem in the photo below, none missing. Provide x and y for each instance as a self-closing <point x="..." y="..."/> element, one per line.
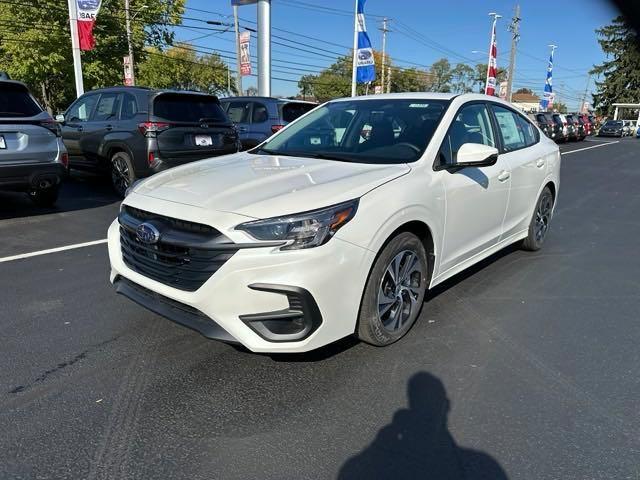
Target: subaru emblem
<point x="147" y="233"/>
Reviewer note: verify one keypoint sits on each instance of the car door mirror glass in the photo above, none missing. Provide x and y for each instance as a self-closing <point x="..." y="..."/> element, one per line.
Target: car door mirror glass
<point x="60" y="118"/>
<point x="476" y="154"/>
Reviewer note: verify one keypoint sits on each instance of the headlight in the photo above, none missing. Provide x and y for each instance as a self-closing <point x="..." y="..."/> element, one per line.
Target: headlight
<point x="302" y="230"/>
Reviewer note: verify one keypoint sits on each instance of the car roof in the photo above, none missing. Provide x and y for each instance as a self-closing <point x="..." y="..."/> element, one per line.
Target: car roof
<point x="407" y="96"/>
<point x="14" y="82"/>
<point x="274" y="99"/>
<point x="153" y="91"/>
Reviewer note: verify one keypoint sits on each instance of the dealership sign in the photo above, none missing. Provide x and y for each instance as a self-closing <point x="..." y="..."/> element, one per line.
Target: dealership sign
<point x="245" y="55"/>
<point x="87" y="14"/>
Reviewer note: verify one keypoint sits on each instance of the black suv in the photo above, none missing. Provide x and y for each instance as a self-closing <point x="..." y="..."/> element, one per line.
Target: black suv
<point x="545" y="124"/>
<point x="576" y="129"/>
<point x="32" y="156"/>
<point x="134" y="132"/>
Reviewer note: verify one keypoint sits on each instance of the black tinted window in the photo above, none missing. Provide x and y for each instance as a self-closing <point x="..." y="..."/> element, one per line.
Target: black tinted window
<point x="260" y="113"/>
<point x="291" y="111"/>
<point x="129" y="106"/>
<point x="15" y="101"/>
<point x="238" y="112"/>
<point x="107" y="108"/>
<point x="541" y="118"/>
<point x="188" y="108"/>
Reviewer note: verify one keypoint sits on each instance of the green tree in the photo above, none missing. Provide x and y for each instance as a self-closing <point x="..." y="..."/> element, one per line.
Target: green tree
<point x="463" y="77"/>
<point x="35" y="44"/>
<point x="481" y="76"/>
<point x="524" y="90"/>
<point x="440" y="76"/>
<point x="560" y="107"/>
<point x="619" y="73"/>
<point x="181" y="68"/>
<point x="409" y="80"/>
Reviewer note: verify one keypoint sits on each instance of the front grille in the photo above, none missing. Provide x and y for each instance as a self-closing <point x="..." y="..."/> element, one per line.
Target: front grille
<point x="185" y="256"/>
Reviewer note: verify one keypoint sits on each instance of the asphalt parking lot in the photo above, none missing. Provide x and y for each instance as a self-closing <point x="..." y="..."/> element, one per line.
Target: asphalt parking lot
<point x="525" y="367"/>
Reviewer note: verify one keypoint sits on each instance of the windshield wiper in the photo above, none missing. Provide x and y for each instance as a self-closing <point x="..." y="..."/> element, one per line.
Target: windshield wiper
<point x="320" y="155"/>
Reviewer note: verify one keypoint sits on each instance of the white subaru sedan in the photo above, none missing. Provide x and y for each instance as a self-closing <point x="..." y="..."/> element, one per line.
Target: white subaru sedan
<point x="339" y="223"/>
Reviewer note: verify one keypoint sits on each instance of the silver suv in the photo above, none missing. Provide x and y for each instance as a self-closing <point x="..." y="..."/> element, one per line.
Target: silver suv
<point x="33" y="158"/>
<point x="257" y="118"/>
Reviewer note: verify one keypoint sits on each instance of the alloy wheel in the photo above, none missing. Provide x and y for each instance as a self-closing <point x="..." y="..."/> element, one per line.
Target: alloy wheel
<point x="120" y="174"/>
<point x="543" y="216"/>
<point x="399" y="290"/>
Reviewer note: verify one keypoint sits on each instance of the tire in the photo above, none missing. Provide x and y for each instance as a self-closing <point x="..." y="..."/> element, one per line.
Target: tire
<point x="45" y="197"/>
<point x="387" y="310"/>
<point x="122" y="173"/>
<point x="540" y="221"/>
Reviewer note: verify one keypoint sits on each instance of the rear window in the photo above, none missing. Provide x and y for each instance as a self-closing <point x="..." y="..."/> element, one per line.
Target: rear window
<point x="15" y="101"/>
<point x="188" y="108"/>
<point x="291" y="111"/>
<point x="541" y="118"/>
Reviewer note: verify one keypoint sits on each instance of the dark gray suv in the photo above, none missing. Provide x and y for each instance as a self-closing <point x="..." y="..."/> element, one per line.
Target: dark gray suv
<point x="134" y="132"/>
<point x="257" y="118"/>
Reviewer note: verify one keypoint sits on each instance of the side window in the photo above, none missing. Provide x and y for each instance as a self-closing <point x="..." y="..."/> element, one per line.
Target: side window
<point x="107" y="108"/>
<point x="238" y="112"/>
<point x="530" y="134"/>
<point x="129" y="107"/>
<point x="471" y="125"/>
<point x="81" y="110"/>
<point x="513" y="137"/>
<point x="260" y="113"/>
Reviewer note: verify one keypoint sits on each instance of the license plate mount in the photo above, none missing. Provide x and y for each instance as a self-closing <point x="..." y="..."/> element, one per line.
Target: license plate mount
<point x="203" y="140"/>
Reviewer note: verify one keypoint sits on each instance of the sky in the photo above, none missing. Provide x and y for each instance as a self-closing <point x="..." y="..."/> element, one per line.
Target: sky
<point x="421" y="32"/>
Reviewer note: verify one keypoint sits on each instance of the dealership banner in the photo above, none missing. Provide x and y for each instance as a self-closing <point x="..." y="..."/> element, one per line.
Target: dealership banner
<point x="547" y="97"/>
<point x="87" y="14"/>
<point x="492" y="69"/>
<point x="245" y="54"/>
<point x="366" y="70"/>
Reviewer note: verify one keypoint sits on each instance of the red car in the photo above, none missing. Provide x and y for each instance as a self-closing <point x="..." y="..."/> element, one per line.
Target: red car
<point x="589" y="128"/>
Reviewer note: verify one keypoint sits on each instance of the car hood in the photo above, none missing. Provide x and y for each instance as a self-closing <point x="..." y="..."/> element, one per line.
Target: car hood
<point x="262" y="186"/>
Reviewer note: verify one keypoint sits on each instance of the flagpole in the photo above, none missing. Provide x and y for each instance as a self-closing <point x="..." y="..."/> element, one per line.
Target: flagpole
<point x="354" y="69"/>
<point x="493" y="40"/>
<point x="75" y="46"/>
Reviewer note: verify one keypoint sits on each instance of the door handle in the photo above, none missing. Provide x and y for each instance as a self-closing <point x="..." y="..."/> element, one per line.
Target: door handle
<point x="109" y="127"/>
<point x="540" y="163"/>
<point x="80" y="128"/>
<point x="242" y="129"/>
<point x="504" y="176"/>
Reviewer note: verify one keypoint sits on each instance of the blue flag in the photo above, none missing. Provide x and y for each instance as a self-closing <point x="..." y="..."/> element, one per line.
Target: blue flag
<point x="547" y="97"/>
<point x="366" y="70"/>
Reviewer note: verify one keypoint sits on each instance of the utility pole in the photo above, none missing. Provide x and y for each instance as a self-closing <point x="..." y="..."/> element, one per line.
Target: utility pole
<point x="127" y="21"/>
<point x="237" y="29"/>
<point x="514" y="28"/>
<point x="389" y="79"/>
<point x="384" y="31"/>
<point x="75" y="46"/>
<point x="264" y="48"/>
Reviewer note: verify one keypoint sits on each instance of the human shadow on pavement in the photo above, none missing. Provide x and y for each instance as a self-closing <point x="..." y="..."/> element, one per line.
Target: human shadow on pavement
<point x="418" y="445"/>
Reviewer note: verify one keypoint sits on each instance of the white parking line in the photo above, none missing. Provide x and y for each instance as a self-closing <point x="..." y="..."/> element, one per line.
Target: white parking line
<point x="52" y="250"/>
<point x="588" y="148"/>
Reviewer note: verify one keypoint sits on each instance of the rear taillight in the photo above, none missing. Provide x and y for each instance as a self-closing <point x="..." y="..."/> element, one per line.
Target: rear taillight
<point x="64" y="159"/>
<point x="53" y="126"/>
<point x="151" y="129"/>
<point x="152" y="158"/>
<point x="276" y="128"/>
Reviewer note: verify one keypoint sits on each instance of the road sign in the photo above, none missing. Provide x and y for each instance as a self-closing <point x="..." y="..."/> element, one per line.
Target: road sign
<point x="128" y="77"/>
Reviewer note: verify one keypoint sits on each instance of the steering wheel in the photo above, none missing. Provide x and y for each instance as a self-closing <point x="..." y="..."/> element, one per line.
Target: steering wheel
<point x="410" y="145"/>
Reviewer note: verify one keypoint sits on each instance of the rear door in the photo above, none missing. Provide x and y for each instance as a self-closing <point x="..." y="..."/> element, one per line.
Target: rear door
<point x="261" y="121"/>
<point x="196" y="127"/>
<point x="23" y="139"/>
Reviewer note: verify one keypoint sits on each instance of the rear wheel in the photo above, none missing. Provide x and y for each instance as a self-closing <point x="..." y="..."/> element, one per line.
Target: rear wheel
<point x="539" y="225"/>
<point x="394" y="292"/>
<point x="122" y="174"/>
<point x="45" y="197"/>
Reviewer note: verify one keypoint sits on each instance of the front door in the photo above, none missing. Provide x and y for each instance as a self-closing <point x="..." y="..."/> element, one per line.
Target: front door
<point x="476" y="197"/>
<point x="76" y="122"/>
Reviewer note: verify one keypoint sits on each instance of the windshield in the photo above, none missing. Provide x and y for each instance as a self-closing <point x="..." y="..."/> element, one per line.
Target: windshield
<point x="613" y="124"/>
<point x="364" y="131"/>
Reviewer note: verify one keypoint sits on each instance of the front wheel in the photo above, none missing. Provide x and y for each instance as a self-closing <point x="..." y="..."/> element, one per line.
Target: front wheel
<point x="122" y="174"/>
<point x="394" y="292"/>
<point x="539" y="225"/>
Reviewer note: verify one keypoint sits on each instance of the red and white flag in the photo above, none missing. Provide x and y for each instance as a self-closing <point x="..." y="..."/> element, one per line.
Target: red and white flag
<point x="492" y="70"/>
<point x="87" y="13"/>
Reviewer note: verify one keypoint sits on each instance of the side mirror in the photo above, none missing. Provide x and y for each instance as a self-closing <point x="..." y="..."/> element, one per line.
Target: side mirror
<point x="60" y="118"/>
<point x="476" y="155"/>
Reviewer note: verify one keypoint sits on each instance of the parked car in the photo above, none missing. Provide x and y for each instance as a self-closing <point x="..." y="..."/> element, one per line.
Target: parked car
<point x="544" y="123"/>
<point x="33" y="158"/>
<point x="133" y="132"/>
<point x="631" y="127"/>
<point x="319" y="233"/>
<point x="575" y="128"/>
<point x="563" y="128"/>
<point x="595" y="124"/>
<point x="583" y="119"/>
<point x="257" y="118"/>
<point x="612" y="128"/>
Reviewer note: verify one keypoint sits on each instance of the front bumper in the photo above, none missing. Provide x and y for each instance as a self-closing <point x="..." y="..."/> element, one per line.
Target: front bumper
<point x="323" y="286"/>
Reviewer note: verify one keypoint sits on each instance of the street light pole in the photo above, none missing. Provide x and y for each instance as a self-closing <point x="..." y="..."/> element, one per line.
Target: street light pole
<point x="237" y="30"/>
<point x="75" y="47"/>
<point x="264" y="48"/>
